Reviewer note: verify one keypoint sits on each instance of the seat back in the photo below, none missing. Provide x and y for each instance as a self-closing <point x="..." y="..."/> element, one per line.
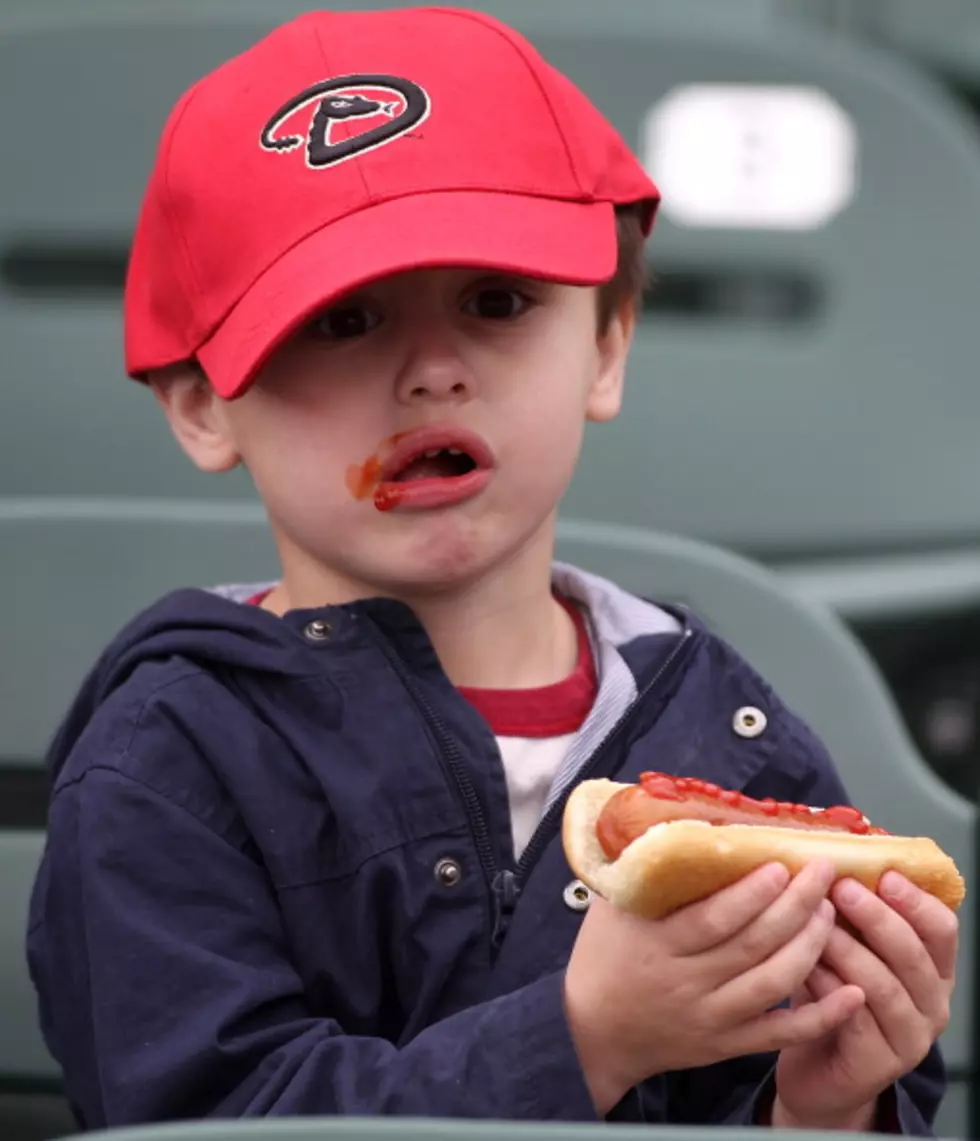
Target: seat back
<point x="31" y="1107"/>
<point x="806" y="380"/>
<point x="22" y="1053"/>
<point x="81" y="570"/>
<point x="400" y="1129"/>
<point x="69" y="422"/>
<point x="945" y="36"/>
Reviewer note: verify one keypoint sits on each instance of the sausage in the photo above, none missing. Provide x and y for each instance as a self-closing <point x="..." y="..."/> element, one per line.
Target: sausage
<point x="660" y="797"/>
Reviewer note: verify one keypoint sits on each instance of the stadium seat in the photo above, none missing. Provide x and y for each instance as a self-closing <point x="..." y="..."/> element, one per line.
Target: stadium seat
<point x="396" y="1129"/>
<point x="81" y="570"/>
<point x="31" y="1108"/>
<point x="804" y="385"/>
<point x="944" y="37"/>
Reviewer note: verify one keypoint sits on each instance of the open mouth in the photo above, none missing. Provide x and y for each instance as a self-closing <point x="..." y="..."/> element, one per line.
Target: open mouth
<point x="434" y="466"/>
<point x="436" y="463"/>
<point x="436" y="452"/>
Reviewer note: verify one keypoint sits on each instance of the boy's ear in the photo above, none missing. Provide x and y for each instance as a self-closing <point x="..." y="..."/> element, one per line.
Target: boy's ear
<point x="196" y="415"/>
<point x="613" y="345"/>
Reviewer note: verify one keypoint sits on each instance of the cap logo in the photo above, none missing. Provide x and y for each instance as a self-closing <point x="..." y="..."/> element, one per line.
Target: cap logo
<point x="347" y="116"/>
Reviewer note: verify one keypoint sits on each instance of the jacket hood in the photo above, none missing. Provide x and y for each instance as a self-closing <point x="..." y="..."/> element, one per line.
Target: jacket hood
<point x="214" y="630"/>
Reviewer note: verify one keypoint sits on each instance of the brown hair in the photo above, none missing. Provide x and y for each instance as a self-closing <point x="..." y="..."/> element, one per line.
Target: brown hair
<point x="626" y="286"/>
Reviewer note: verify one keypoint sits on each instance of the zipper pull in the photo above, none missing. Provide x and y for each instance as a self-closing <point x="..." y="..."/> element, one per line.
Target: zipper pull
<point x="506" y="891"/>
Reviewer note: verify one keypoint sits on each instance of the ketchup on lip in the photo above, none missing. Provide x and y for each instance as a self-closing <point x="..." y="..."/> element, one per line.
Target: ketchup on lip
<point x="364" y="480"/>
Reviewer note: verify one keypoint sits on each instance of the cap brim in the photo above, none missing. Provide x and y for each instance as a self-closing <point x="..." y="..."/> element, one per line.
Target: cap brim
<point x="571" y="242"/>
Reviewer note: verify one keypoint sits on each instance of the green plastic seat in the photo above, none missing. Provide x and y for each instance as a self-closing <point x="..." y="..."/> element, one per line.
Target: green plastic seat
<point x="396" y="1129"/>
<point x="945" y="35"/>
<point x="31" y="1108"/>
<point x="797" y="392"/>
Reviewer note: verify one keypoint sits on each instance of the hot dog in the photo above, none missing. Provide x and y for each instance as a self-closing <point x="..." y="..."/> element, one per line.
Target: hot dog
<point x="655" y="846"/>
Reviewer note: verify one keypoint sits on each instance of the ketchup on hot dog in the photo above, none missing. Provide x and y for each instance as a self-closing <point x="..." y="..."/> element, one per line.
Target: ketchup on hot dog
<point x="659" y="798"/>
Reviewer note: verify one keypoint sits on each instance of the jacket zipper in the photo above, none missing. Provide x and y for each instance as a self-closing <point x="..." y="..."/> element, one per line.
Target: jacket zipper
<point x="506" y="884"/>
<point x="511" y="882"/>
<point x="453" y="761"/>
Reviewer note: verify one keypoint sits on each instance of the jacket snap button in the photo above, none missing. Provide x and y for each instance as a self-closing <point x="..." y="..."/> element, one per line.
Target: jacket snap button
<point x="317" y="630"/>
<point x="448" y="872"/>
<point x="749" y="721"/>
<point x="577" y="896"/>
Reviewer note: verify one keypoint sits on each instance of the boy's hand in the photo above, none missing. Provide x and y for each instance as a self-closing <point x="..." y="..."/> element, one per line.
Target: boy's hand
<point x="643" y="997"/>
<point x="906" y="971"/>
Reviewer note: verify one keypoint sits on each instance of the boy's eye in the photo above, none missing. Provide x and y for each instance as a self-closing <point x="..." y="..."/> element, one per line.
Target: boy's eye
<point x="344" y="322"/>
<point x="497" y="304"/>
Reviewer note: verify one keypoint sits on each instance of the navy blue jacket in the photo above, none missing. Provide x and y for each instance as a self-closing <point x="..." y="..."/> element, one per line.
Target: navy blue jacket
<point x="238" y="911"/>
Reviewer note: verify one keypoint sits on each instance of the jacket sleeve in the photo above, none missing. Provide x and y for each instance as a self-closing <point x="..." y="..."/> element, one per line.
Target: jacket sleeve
<point x="166" y="990"/>
<point x="741" y="1091"/>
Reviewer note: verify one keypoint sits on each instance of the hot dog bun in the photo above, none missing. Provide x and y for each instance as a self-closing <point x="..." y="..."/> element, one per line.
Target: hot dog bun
<point x="682" y="861"/>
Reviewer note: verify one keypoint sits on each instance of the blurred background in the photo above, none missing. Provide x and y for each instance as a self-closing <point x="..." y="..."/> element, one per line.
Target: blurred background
<point x="804" y="388"/>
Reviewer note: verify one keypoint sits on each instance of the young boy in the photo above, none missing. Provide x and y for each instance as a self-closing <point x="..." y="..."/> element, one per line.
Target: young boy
<point x="304" y="851"/>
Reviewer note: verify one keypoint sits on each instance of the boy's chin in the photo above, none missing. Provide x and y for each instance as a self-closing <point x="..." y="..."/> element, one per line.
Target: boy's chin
<point x="436" y="572"/>
<point x="443" y="561"/>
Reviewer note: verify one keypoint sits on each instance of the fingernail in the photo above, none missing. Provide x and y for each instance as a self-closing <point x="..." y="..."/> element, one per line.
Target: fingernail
<point x="856" y="998"/>
<point x="848" y="892"/>
<point x="827" y="871"/>
<point x="892" y="884"/>
<point x="778" y="875"/>
<point x="827" y="911"/>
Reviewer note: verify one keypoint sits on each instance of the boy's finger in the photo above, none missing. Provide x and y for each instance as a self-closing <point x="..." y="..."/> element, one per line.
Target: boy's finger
<point x="888" y="1000"/>
<point x="823" y="981"/>
<point x="802" y="997"/>
<point x="716" y="920"/>
<point x="703" y="925"/>
<point x="781" y="1029"/>
<point x="781" y="921"/>
<point x="935" y="924"/>
<point x="776" y="978"/>
<point x="888" y="937"/>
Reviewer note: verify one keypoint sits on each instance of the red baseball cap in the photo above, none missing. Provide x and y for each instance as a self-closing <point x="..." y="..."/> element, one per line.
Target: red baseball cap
<point x="346" y="146"/>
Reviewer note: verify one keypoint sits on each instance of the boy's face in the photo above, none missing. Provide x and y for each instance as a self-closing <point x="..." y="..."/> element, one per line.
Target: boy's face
<point x="520" y="363"/>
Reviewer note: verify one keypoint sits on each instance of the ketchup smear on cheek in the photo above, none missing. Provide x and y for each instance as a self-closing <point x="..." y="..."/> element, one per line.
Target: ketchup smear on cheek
<point x="364" y="480"/>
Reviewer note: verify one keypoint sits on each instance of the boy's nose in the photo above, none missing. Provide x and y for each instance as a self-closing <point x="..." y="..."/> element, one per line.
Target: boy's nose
<point x="441" y="378"/>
